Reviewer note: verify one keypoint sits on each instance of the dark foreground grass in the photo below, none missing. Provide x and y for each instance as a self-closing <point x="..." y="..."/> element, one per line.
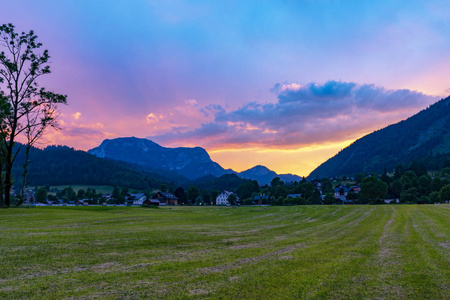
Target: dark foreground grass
<point x="298" y="252"/>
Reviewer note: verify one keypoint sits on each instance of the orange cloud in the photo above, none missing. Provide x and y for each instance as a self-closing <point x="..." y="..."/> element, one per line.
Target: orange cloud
<point x="76" y="115"/>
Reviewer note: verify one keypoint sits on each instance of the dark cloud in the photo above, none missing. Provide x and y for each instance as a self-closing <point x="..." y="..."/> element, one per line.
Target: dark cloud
<point x="314" y="113"/>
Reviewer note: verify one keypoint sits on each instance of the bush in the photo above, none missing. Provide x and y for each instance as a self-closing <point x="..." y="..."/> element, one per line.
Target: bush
<point x="247" y="201"/>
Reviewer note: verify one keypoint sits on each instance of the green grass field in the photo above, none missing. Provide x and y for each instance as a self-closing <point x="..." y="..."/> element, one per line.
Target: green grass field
<point x="296" y="252"/>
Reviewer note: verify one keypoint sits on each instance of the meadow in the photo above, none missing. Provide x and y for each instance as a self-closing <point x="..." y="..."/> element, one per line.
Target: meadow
<point x="294" y="252"/>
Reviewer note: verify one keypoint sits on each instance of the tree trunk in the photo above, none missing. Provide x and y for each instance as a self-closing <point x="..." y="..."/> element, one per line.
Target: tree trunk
<point x="8" y="170"/>
<point x="24" y="175"/>
<point x="1" y="187"/>
<point x="8" y="186"/>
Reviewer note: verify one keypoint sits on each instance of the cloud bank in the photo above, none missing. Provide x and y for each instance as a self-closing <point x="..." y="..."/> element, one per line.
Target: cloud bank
<point x="303" y="115"/>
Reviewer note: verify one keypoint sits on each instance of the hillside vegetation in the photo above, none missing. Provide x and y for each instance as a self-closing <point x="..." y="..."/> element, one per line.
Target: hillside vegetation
<point x="60" y="165"/>
<point x="424" y="137"/>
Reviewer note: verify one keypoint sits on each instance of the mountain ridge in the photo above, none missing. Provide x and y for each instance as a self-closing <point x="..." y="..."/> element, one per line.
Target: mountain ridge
<point x="422" y="136"/>
<point x="192" y="163"/>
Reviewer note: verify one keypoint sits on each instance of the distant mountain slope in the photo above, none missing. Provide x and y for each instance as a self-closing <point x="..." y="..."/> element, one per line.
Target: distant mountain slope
<point x="423" y="135"/>
<point x="60" y="165"/>
<point x="189" y="162"/>
<point x="264" y="176"/>
<point x="192" y="163"/>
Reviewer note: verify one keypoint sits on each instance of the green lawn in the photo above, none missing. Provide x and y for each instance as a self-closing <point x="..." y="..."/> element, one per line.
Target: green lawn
<point x="296" y="252"/>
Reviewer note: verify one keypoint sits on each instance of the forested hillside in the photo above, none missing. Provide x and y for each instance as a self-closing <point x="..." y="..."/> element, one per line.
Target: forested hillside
<point x="423" y="137"/>
<point x="60" y="165"/>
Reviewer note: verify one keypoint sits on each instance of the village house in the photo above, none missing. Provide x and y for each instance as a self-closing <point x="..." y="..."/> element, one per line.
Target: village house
<point x="29" y="199"/>
<point x="261" y="199"/>
<point x="135" y="199"/>
<point x="222" y="198"/>
<point x="340" y="190"/>
<point x="164" y="199"/>
<point x="52" y="202"/>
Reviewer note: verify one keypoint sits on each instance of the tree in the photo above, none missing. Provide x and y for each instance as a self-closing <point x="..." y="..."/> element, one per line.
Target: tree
<point x="246" y="189"/>
<point x="327" y="186"/>
<point x="81" y="194"/>
<point x="25" y="108"/>
<point x="41" y="195"/>
<point x="444" y="194"/>
<point x="434" y="197"/>
<point x="359" y="177"/>
<point x="385" y="177"/>
<point x="124" y="193"/>
<point x="205" y="197"/>
<point x="424" y="184"/>
<point x="373" y="189"/>
<point x="329" y="199"/>
<point x="281" y="191"/>
<point x="232" y="199"/>
<point x="436" y="184"/>
<point x="409" y="180"/>
<point x="214" y="195"/>
<point x="396" y="188"/>
<point x="69" y="194"/>
<point x="115" y="194"/>
<point x="398" y="171"/>
<point x="193" y="193"/>
<point x="276" y="181"/>
<point x="305" y="188"/>
<point x="180" y="194"/>
<point x="315" y="198"/>
<point x="409" y="196"/>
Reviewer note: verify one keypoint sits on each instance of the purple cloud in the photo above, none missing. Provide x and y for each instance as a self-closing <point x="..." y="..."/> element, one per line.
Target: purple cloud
<point x="304" y="115"/>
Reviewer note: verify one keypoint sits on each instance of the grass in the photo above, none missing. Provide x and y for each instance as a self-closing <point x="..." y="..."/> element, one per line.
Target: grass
<point x="297" y="252"/>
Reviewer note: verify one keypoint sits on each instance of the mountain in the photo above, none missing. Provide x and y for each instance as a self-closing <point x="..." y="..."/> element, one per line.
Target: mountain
<point x="191" y="163"/>
<point x="264" y="176"/>
<point x="61" y="165"/>
<point x="424" y="136"/>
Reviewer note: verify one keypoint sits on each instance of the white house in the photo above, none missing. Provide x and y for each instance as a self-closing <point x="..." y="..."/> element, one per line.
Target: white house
<point x="222" y="199"/>
<point x="136" y="199"/>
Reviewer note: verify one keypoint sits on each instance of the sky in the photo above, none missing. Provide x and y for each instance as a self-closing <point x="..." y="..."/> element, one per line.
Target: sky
<point x="285" y="84"/>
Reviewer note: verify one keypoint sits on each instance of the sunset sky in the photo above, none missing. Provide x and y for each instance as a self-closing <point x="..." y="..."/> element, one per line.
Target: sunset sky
<point x="285" y="84"/>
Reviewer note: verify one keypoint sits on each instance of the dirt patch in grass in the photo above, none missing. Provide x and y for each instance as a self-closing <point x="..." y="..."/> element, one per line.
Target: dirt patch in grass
<point x="100" y="268"/>
<point x="286" y="257"/>
<point x="198" y="292"/>
<point x="237" y="247"/>
<point x="249" y="260"/>
<point x="445" y="245"/>
<point x="231" y="240"/>
<point x="386" y="228"/>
